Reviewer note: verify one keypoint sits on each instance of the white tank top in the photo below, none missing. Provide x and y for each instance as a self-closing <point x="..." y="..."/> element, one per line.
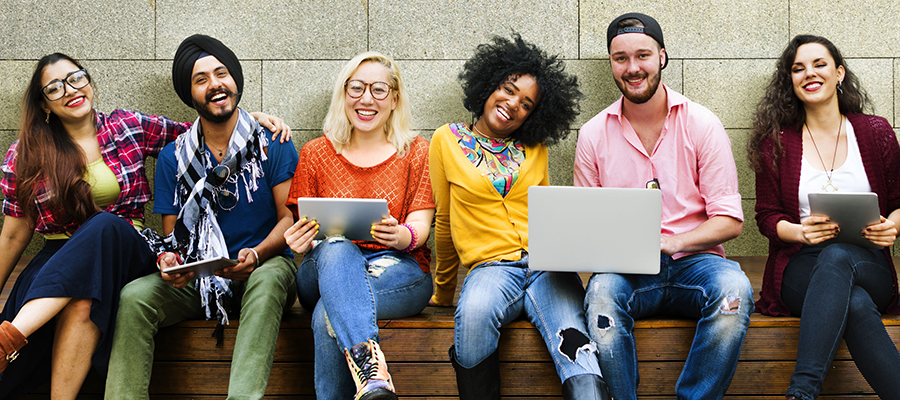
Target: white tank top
<point x="849" y="177"/>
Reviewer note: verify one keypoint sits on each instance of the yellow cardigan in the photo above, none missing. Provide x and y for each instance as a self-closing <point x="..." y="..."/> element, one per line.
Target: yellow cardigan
<point x="473" y="222"/>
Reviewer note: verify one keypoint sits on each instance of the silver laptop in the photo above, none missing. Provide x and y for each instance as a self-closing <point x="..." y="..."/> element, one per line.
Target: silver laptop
<point x="352" y="218"/>
<point x="594" y="229"/>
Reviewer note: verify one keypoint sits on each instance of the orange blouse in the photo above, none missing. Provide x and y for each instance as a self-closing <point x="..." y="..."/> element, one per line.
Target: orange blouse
<point x="403" y="182"/>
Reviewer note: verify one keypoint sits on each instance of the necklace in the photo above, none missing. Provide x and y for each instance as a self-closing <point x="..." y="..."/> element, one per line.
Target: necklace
<point x="217" y="149"/>
<point x="828" y="187"/>
<point x="475" y="128"/>
<point x="207" y="142"/>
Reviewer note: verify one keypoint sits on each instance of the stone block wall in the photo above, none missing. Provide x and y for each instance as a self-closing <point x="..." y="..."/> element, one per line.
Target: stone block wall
<point x="722" y="54"/>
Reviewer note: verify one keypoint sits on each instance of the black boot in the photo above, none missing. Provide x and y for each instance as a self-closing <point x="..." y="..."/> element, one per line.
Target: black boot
<point x="481" y="382"/>
<point x="585" y="387"/>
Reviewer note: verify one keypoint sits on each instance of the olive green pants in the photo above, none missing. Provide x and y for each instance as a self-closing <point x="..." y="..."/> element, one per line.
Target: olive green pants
<point x="148" y="303"/>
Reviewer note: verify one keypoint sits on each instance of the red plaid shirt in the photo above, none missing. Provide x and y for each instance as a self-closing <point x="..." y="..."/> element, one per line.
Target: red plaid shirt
<point x="126" y="138"/>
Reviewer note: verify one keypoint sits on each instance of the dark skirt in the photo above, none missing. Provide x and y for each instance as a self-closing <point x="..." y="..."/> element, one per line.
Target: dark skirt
<point x="103" y="255"/>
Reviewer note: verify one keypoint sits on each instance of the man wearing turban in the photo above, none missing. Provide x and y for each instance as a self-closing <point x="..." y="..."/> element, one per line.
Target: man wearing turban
<point x="221" y="188"/>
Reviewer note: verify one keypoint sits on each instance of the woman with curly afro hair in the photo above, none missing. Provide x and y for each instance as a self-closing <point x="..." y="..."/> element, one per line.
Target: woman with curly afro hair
<point x="522" y="100"/>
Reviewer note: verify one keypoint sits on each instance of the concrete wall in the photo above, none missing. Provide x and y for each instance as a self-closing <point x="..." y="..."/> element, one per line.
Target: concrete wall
<point x="722" y="53"/>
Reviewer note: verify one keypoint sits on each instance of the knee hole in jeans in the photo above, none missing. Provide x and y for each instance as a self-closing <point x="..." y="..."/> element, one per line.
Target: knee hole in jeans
<point x="573" y="341"/>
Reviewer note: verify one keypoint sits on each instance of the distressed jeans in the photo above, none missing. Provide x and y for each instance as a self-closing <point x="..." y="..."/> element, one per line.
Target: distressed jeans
<point x="149" y="303"/>
<point x="703" y="286"/>
<point x="496" y="293"/>
<point x="348" y="289"/>
<point x="839" y="291"/>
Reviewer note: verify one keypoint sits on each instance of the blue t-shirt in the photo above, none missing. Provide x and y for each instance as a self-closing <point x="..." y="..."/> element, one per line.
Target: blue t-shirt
<point x="247" y="224"/>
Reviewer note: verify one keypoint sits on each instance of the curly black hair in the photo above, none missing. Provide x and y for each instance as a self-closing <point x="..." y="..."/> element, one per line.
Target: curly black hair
<point x="493" y="63"/>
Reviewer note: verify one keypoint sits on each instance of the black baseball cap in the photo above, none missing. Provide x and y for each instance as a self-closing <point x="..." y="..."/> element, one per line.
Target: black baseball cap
<point x="651" y="28"/>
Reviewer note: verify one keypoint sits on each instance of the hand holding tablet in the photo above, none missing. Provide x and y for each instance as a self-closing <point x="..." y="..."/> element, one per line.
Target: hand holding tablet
<point x="852" y="212"/>
<point x="201" y="268"/>
<point x="352" y="218"/>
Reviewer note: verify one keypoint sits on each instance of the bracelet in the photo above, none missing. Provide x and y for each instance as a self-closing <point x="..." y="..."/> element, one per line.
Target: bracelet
<point x="255" y="254"/>
<point x="414" y="238"/>
<point x="160" y="256"/>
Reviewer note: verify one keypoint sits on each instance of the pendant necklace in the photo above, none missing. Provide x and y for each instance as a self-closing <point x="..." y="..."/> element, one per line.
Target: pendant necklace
<point x="218" y="149"/>
<point x="828" y="187"/>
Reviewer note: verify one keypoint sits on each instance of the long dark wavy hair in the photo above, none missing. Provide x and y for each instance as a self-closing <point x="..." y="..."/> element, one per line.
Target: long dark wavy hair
<point x="493" y="64"/>
<point x="780" y="108"/>
<point x="46" y="153"/>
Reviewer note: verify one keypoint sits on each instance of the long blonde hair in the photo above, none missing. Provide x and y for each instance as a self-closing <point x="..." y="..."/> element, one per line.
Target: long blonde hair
<point x="338" y="127"/>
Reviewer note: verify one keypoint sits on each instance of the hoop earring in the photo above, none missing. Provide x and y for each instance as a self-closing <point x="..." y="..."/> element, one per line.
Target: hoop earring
<point x="839" y="89"/>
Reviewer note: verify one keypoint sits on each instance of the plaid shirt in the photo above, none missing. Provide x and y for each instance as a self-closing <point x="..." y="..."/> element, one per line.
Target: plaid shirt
<point x="126" y="138"/>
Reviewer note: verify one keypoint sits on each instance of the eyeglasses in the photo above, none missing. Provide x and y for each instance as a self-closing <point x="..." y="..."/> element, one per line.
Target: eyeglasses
<point x="379" y="90"/>
<point x="56" y="89"/>
<point x="224" y="197"/>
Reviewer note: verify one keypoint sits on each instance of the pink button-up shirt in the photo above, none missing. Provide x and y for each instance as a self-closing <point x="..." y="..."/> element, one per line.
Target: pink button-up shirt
<point x="692" y="161"/>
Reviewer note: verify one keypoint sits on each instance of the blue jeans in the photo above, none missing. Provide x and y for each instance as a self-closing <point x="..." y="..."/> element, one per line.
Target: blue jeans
<point x="496" y="293"/>
<point x="348" y="289"/>
<point x="845" y="287"/>
<point x="703" y="286"/>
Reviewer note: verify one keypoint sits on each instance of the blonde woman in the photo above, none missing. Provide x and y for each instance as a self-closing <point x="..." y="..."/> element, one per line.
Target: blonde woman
<point x="368" y="151"/>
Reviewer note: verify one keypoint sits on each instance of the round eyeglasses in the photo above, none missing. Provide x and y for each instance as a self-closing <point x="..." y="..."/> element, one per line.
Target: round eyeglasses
<point x="56" y="89"/>
<point x="225" y="198"/>
<point x="379" y="90"/>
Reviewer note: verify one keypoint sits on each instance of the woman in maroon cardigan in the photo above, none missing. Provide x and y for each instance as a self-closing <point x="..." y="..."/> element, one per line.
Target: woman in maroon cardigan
<point x="809" y="136"/>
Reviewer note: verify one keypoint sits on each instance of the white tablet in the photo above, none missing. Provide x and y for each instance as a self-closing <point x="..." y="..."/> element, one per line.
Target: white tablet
<point x="352" y="218"/>
<point x="853" y="212"/>
<point x="202" y="268"/>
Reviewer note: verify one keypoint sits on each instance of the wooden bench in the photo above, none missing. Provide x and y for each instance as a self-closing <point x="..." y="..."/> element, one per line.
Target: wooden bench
<point x="189" y="366"/>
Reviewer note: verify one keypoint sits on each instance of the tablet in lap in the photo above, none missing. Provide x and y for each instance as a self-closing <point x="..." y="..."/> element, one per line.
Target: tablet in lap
<point x="853" y="212"/>
<point x="202" y="268"/>
<point x="352" y="218"/>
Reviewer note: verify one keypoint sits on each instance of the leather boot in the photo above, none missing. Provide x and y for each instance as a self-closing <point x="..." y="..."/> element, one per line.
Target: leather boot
<point x="11" y="340"/>
<point x="585" y="387"/>
<point x="481" y="382"/>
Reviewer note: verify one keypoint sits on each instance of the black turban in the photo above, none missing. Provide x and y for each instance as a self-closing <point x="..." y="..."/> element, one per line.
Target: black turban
<point x="188" y="53"/>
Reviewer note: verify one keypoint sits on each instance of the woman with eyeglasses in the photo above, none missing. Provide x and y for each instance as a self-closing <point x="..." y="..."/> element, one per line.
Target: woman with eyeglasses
<point x="810" y="136"/>
<point x="522" y="101"/>
<point x="76" y="176"/>
<point x="368" y="151"/>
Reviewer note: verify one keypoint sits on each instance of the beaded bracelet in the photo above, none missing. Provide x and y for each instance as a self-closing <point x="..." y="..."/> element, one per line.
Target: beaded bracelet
<point x="414" y="238"/>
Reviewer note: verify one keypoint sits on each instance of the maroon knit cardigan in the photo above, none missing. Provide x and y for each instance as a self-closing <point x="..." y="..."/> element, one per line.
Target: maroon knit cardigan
<point x="777" y="197"/>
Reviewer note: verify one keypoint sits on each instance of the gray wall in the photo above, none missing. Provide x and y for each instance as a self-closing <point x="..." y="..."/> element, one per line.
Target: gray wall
<point x="722" y="53"/>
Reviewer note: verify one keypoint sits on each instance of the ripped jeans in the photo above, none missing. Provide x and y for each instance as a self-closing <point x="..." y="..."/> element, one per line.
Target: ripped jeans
<point x="496" y="293"/>
<point x="347" y="289"/>
<point x="703" y="286"/>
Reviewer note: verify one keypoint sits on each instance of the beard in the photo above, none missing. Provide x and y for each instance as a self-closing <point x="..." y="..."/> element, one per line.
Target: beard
<point x="642" y="97"/>
<point x="207" y="114"/>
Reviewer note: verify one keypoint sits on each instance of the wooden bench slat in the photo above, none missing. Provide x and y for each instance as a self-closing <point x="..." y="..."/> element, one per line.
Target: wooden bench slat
<point x="518" y="379"/>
